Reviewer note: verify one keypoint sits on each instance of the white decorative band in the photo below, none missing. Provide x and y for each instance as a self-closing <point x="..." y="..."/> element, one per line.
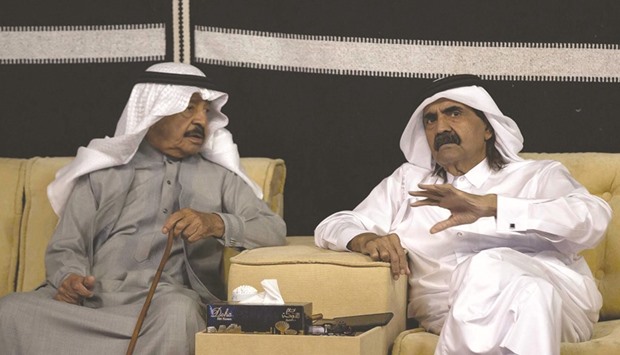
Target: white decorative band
<point x="82" y="44"/>
<point x="582" y="62"/>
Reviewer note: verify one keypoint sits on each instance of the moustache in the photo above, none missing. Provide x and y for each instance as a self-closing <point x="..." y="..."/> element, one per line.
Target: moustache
<point x="446" y="138"/>
<point x="197" y="131"/>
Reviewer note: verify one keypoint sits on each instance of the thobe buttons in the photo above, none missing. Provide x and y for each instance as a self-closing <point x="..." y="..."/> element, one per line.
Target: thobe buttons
<point x="459" y="234"/>
<point x="168" y="182"/>
<point x="165" y="210"/>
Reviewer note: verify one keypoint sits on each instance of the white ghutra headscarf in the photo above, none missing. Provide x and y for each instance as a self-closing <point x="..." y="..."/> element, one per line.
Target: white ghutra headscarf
<point x="148" y="103"/>
<point x="463" y="89"/>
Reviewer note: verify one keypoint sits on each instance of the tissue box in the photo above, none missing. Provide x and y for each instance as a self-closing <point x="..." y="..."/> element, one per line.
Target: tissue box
<point x="261" y="318"/>
<point x="368" y="343"/>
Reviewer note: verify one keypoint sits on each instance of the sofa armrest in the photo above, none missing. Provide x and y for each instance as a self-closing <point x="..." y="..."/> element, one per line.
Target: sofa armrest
<point x="270" y="175"/>
<point x="38" y="222"/>
<point x="337" y="283"/>
<point x="11" y="204"/>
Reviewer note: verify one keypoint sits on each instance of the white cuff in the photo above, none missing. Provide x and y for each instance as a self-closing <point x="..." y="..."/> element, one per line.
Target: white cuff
<point x="512" y="214"/>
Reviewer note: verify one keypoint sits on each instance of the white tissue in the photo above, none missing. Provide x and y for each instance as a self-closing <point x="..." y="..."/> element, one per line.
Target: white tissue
<point x="270" y="296"/>
<point x="243" y="292"/>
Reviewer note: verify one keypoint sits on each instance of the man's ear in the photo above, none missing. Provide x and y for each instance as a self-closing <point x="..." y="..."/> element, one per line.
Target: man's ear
<point x="488" y="132"/>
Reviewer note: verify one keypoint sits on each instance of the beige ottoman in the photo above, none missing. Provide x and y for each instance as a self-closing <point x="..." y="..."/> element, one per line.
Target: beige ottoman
<point x="337" y="283"/>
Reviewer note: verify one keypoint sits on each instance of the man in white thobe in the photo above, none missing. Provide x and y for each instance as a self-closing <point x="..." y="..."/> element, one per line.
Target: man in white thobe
<point x="489" y="241"/>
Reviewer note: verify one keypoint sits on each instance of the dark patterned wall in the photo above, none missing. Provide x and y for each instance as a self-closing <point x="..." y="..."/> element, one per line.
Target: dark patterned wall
<point x="327" y="86"/>
<point x="66" y="68"/>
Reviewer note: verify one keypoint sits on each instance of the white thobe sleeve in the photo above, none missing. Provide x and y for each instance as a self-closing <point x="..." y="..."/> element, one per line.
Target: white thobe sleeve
<point x="563" y="211"/>
<point x="375" y="214"/>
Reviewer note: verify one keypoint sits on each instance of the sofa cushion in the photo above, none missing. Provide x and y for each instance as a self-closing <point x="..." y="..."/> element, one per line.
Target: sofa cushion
<point x="605" y="340"/>
<point x="600" y="174"/>
<point x="415" y="341"/>
<point x="11" y="204"/>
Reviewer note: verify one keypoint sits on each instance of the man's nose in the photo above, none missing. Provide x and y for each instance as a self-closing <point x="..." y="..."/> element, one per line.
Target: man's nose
<point x="443" y="124"/>
<point x="201" y="118"/>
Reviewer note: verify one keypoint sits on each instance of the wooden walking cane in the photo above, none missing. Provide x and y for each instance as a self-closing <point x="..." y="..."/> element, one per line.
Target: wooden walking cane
<point x="149" y="297"/>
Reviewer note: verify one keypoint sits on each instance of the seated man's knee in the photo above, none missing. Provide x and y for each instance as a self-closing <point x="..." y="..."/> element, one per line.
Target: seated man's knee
<point x="10" y="305"/>
<point x="178" y="305"/>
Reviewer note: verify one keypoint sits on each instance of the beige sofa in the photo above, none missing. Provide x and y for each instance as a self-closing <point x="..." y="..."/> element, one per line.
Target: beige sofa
<point x="341" y="284"/>
<point x="27" y="220"/>
<point x="337" y="284"/>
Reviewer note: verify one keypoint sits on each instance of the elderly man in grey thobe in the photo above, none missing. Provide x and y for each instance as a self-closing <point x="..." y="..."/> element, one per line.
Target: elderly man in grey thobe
<point x="171" y="167"/>
<point x="488" y="241"/>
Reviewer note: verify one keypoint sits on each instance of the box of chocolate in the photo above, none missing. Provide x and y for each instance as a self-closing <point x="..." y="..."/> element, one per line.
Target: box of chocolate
<point x="289" y="318"/>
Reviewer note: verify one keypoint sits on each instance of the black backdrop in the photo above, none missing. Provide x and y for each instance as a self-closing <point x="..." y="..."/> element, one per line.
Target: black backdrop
<point x="337" y="130"/>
